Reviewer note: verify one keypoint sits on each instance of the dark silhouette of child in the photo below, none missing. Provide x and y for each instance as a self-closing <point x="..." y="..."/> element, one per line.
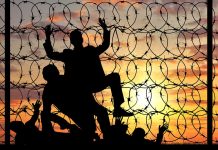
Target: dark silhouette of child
<point x="139" y="134"/>
<point x="28" y="133"/>
<point x="83" y="66"/>
<point x="118" y="133"/>
<point x="73" y="101"/>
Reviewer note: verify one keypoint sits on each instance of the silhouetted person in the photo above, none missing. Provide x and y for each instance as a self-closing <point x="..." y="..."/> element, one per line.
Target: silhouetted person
<point x="75" y="102"/>
<point x="118" y="133"/>
<point x="83" y="66"/>
<point x="139" y="134"/>
<point x="28" y="133"/>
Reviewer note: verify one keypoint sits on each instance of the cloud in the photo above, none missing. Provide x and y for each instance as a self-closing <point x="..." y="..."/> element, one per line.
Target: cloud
<point x="34" y="33"/>
<point x="18" y="94"/>
<point x="167" y="9"/>
<point x="190" y="73"/>
<point x="215" y="52"/>
<point x="192" y="102"/>
<point x="12" y="68"/>
<point x="168" y="1"/>
<point x="120" y="44"/>
<point x="204" y="67"/>
<point x="200" y="51"/>
<point x="111" y="1"/>
<point x="25" y="93"/>
<point x="38" y="52"/>
<point x="61" y="16"/>
<point x="2" y="68"/>
<point x="121" y="4"/>
<point x="203" y="22"/>
<point x="198" y="88"/>
<point x="133" y="1"/>
<point x="202" y="32"/>
<point x="215" y="3"/>
<point x="56" y="19"/>
<point x="22" y="32"/>
<point x="2" y="37"/>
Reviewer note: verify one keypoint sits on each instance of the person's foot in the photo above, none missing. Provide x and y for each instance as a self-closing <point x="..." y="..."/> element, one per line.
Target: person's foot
<point x="119" y="112"/>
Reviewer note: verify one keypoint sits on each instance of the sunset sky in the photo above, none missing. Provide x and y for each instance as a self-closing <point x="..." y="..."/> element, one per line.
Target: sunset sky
<point x="159" y="50"/>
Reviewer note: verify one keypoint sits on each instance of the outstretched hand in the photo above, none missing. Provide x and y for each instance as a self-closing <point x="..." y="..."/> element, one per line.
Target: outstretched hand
<point x="163" y="128"/>
<point x="37" y="105"/>
<point x="102" y="23"/>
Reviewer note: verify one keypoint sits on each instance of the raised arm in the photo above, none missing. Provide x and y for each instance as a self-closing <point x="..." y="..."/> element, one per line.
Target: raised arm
<point x="162" y="129"/>
<point x="106" y="37"/>
<point x="35" y="115"/>
<point x="46" y="114"/>
<point x="48" y="47"/>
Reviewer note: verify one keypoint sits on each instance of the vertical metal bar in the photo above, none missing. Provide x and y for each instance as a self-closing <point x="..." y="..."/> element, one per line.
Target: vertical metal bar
<point x="7" y="72"/>
<point x="209" y="71"/>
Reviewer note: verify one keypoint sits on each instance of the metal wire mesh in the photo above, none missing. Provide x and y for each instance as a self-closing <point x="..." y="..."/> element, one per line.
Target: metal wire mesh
<point x="159" y="50"/>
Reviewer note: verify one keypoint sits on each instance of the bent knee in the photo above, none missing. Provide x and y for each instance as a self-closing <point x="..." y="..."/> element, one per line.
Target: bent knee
<point x="115" y="76"/>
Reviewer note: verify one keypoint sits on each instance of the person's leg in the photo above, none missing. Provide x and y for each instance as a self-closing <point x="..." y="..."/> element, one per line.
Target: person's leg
<point x="102" y="117"/>
<point x="87" y="124"/>
<point x="81" y="114"/>
<point x="113" y="80"/>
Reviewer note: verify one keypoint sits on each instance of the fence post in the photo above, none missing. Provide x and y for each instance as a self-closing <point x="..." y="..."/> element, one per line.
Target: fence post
<point x="209" y="71"/>
<point x="7" y="72"/>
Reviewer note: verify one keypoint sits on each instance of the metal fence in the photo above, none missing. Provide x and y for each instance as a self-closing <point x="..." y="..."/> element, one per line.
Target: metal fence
<point x="159" y="49"/>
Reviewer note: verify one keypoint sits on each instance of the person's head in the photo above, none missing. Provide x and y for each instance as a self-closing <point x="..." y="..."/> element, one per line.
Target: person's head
<point x="76" y="38"/>
<point x="138" y="133"/>
<point x="50" y="72"/>
<point x="17" y="126"/>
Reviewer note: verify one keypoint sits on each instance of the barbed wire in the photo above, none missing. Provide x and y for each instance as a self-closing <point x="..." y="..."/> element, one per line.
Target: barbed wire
<point x="158" y="49"/>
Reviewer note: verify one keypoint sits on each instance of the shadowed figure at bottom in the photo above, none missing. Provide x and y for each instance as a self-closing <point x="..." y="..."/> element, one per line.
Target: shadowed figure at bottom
<point x="119" y="135"/>
<point x="138" y="136"/>
<point x="28" y="133"/>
